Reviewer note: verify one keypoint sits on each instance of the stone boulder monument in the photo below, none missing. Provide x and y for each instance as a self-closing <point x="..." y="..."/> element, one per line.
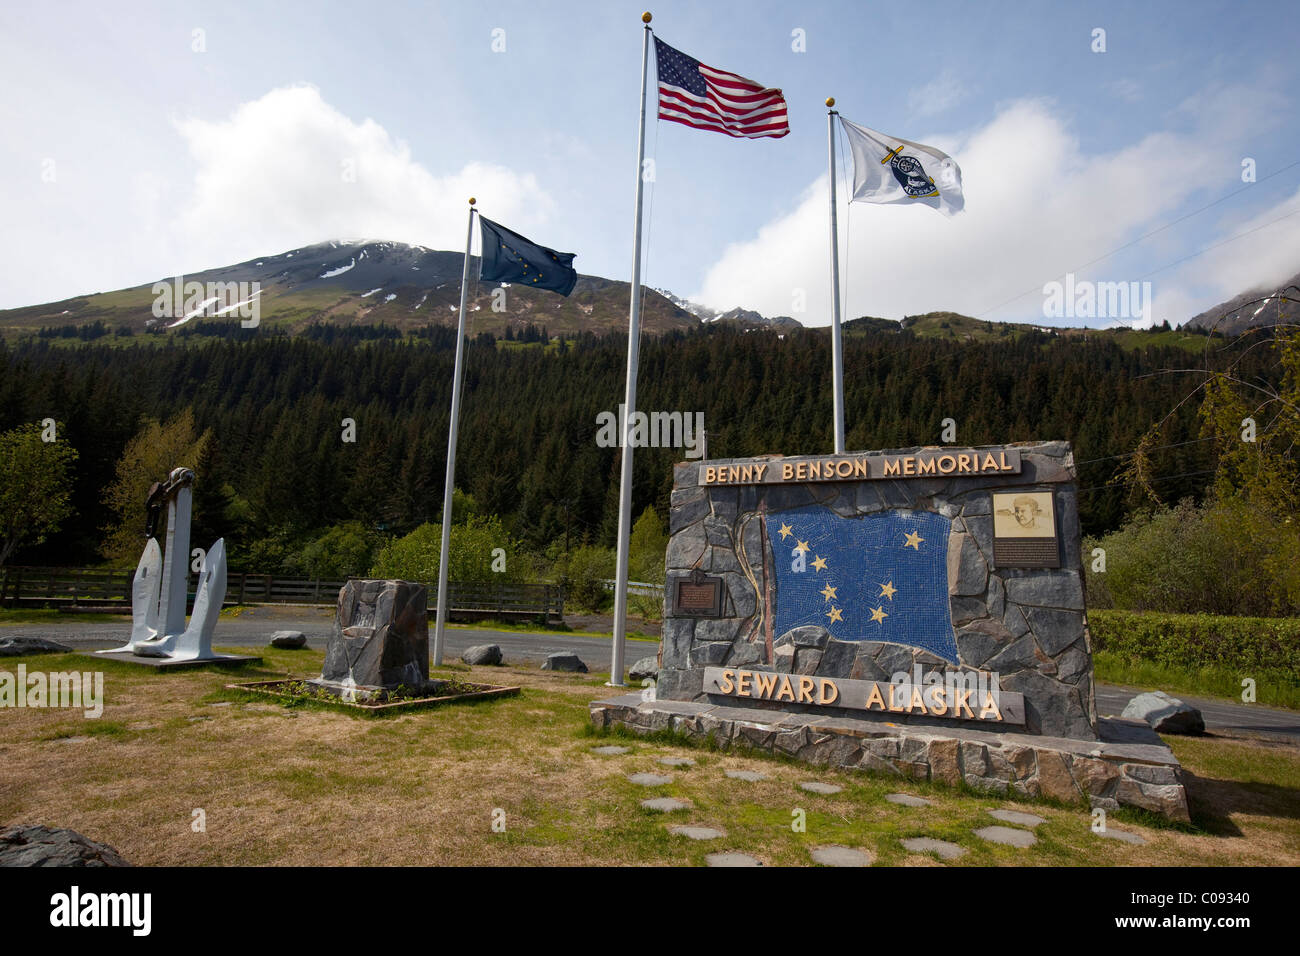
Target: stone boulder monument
<point x="380" y="640"/>
<point x="917" y="611"/>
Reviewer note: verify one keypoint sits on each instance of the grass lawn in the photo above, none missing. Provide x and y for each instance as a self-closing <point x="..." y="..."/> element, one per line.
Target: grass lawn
<point x="310" y="785"/>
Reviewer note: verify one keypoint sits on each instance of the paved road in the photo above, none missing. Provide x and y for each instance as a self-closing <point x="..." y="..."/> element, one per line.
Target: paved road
<point x="253" y="627"/>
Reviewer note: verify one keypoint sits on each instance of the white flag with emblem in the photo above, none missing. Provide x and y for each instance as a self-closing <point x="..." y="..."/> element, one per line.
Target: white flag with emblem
<point x="887" y="169"/>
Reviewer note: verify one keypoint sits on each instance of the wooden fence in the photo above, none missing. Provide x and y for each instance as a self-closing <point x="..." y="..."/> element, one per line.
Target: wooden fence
<point x="94" y="589"/>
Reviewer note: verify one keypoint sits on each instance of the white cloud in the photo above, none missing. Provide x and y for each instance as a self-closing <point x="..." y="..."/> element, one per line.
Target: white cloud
<point x="1036" y="206"/>
<point x="942" y="93"/>
<point x="1126" y="89"/>
<point x="289" y="169"/>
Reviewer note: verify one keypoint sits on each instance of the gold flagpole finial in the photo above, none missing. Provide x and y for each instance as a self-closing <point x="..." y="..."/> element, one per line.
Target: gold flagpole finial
<point x="471" y="200"/>
<point x="645" y="17"/>
<point x="830" y="101"/>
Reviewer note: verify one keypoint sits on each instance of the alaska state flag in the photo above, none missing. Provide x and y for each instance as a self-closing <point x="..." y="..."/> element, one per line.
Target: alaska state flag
<point x="880" y="577"/>
<point x="509" y="257"/>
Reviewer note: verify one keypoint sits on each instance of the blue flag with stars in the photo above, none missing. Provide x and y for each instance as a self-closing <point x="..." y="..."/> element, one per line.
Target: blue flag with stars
<point x="509" y="257"/>
<point x="880" y="577"/>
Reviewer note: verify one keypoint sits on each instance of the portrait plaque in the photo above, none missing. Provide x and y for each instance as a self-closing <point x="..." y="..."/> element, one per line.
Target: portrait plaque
<point x="698" y="595"/>
<point x="1024" y="530"/>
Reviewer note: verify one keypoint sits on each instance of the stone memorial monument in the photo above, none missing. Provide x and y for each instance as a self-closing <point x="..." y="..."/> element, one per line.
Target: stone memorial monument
<point x="918" y="611"/>
<point x="380" y="640"/>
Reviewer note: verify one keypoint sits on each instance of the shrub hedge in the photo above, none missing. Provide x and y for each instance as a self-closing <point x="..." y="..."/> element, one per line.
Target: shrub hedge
<point x="1251" y="645"/>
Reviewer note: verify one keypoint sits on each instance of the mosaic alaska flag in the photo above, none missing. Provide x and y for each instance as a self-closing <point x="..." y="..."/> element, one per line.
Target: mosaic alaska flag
<point x="881" y="577"/>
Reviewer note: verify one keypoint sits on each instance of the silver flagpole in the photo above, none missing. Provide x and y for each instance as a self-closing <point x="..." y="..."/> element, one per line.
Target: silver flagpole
<point x="837" y="350"/>
<point x="457" y="376"/>
<point x="629" y="401"/>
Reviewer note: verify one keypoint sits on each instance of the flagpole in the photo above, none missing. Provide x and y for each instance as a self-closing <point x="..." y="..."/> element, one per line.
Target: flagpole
<point x="629" y="401"/>
<point x="837" y="350"/>
<point x="457" y="376"/>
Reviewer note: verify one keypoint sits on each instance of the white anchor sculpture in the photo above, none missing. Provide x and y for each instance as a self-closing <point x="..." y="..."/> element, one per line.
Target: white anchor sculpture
<point x="158" y="592"/>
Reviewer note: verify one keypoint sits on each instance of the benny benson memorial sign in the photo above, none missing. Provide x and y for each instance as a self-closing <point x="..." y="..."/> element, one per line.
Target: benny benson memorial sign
<point x="923" y="585"/>
<point x="918" y="612"/>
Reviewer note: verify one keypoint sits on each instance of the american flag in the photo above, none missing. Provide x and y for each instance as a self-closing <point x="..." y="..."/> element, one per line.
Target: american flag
<point x="700" y="96"/>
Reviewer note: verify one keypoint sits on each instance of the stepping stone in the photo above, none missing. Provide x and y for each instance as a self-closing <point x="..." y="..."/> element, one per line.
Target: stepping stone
<point x="677" y="761"/>
<point x="946" y="850"/>
<point x="610" y="750"/>
<point x="752" y="776"/>
<point x="1123" y="835"/>
<point x="193" y="720"/>
<point x="71" y="740"/>
<point x="649" y="779"/>
<point x="1007" y="836"/>
<point x="732" y="859"/>
<point x="1015" y="816"/>
<point x="220" y="703"/>
<point x="666" y="804"/>
<point x="907" y="800"/>
<point x="815" y="786"/>
<point x="696" y="833"/>
<point x="840" y="856"/>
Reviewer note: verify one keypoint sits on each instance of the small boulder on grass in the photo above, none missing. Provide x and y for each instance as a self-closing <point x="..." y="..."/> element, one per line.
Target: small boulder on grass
<point x="564" y="661"/>
<point x="21" y="646"/>
<point x="289" y="640"/>
<point x="1165" y="714"/>
<point x="645" y="668"/>
<point x="486" y="654"/>
<point x="35" y="845"/>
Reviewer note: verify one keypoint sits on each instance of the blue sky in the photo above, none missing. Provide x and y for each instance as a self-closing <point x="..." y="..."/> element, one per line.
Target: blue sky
<point x="130" y="155"/>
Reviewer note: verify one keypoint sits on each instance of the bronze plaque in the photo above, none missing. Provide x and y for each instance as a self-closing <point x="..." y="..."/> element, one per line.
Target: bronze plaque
<point x="697" y="596"/>
<point x="1024" y="530"/>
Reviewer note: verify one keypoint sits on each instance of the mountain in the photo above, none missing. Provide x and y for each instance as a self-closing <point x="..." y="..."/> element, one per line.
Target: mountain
<point x="746" y="319"/>
<point x="408" y="287"/>
<point x="362" y="282"/>
<point x="1245" y="311"/>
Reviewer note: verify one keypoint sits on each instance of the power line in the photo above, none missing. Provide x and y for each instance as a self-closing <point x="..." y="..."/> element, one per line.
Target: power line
<point x="1129" y="454"/>
<point x="1142" y="238"/>
<point x="1186" y="474"/>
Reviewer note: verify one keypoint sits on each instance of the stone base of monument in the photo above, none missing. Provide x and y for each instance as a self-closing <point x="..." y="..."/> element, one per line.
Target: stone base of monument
<point x="170" y="664"/>
<point x="431" y="693"/>
<point x="1129" y="766"/>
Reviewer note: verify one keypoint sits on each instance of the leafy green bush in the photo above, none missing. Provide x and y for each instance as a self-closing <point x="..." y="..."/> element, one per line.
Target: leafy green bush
<point x="471" y="558"/>
<point x="1255" y="647"/>
<point x="343" y="551"/>
<point x="1224" y="557"/>
<point x="646" y="548"/>
<point x="583" y="572"/>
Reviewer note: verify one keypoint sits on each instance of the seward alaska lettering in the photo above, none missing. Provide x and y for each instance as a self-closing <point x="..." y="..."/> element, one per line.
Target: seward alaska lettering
<point x="964" y="462"/>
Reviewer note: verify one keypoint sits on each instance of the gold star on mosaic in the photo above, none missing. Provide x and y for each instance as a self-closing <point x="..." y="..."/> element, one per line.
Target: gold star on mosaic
<point x="834" y="614"/>
<point x="819" y="563"/>
<point x="878" y="615"/>
<point x="801" y="546"/>
<point x="828" y="592"/>
<point x="785" y="531"/>
<point x="914" y="540"/>
<point x="887" y="590"/>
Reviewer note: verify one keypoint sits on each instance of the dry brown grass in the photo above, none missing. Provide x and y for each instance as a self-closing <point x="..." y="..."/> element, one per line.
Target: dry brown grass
<point x="314" y="786"/>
